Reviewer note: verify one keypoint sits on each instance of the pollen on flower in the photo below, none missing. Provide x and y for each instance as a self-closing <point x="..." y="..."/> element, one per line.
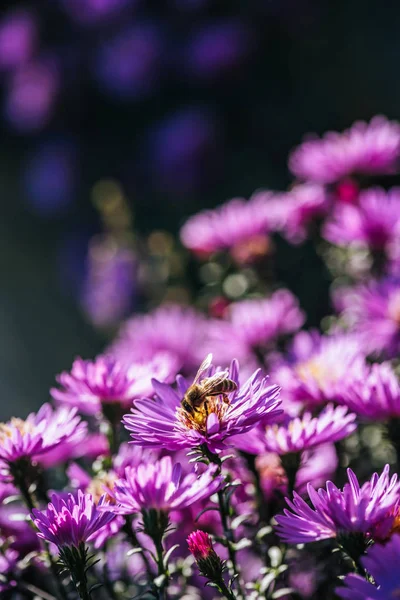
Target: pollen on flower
<point x="99" y="485"/>
<point x="251" y="249"/>
<point x="24" y="427"/>
<point x="313" y="368"/>
<point x="217" y="405"/>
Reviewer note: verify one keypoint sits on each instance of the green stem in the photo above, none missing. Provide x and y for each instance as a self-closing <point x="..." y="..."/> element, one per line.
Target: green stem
<point x="76" y="561"/>
<point x="162" y="571"/>
<point x="224" y="590"/>
<point x="291" y="463"/>
<point x="132" y="537"/>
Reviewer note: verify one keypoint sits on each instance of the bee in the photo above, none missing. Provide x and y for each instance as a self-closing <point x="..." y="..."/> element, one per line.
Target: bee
<point x="199" y="395"/>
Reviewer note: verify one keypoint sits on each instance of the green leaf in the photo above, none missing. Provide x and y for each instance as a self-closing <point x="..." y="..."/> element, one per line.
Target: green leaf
<point x="168" y="554"/>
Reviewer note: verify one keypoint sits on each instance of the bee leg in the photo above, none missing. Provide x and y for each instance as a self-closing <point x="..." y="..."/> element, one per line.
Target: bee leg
<point x="205" y="404"/>
<point x="225" y="399"/>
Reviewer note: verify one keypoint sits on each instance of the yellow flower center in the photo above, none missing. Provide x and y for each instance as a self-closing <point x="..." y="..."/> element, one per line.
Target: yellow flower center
<point x="314" y="369"/>
<point x="198" y="418"/>
<point x="7" y="429"/>
<point x="97" y="485"/>
<point x="251" y="249"/>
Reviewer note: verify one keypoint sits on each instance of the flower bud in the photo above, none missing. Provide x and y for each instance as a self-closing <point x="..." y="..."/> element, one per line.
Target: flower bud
<point x="209" y="563"/>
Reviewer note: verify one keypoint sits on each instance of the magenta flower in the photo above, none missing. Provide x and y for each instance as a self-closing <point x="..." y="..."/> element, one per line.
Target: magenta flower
<point x="382" y="562"/>
<point x="90" y="384"/>
<point x="366" y="148"/>
<point x="303" y="205"/>
<point x="333" y="512"/>
<point x="226" y="415"/>
<point x="38" y="433"/>
<point x="209" y="563"/>
<point x="373" y="311"/>
<point x="143" y="337"/>
<point x="160" y="486"/>
<point x="73" y="521"/>
<point x="300" y="433"/>
<point x="375" y="393"/>
<point x="258" y="321"/>
<point x="238" y="225"/>
<point x="374" y="222"/>
<point x="319" y="368"/>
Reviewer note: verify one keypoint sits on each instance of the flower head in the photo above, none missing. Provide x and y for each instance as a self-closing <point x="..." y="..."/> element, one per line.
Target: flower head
<point x="143" y="337"/>
<point x="366" y="148"/>
<point x="318" y="367"/>
<point x="374" y="222"/>
<point x="223" y="416"/>
<point x="258" y="321"/>
<point x="300" y="433"/>
<point x="72" y="521"/>
<point x="201" y="546"/>
<point x="90" y="384"/>
<point x="301" y="206"/>
<point x="382" y="562"/>
<point x="238" y="225"/>
<point x="38" y="433"/>
<point x="372" y="310"/>
<point x="160" y="486"/>
<point x="333" y="512"/>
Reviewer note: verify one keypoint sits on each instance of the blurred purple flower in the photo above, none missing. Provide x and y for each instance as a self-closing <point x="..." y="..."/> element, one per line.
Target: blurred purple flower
<point x="184" y="150"/>
<point x="92" y="12"/>
<point x="334" y="512"/>
<point x="38" y="433"/>
<point x="72" y="521"/>
<point x="49" y="178"/>
<point x="8" y="565"/>
<point x="382" y="563"/>
<point x="160" y="486"/>
<point x="302" y="206"/>
<point x="252" y="402"/>
<point x="318" y="368"/>
<point x="18" y="37"/>
<point x="95" y="445"/>
<point x="236" y="225"/>
<point x="128" y="65"/>
<point x="109" y="288"/>
<point x="31" y="95"/>
<point x="144" y="336"/>
<point x="373" y="311"/>
<point x="374" y="222"/>
<point x="366" y="148"/>
<point x="219" y="49"/>
<point x="300" y="433"/>
<point x="90" y="384"/>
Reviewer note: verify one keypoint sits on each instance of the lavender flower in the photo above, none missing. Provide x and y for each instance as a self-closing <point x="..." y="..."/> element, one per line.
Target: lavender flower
<point x="334" y="512"/>
<point x="382" y="562"/>
<point x="160" y="486"/>
<point x="300" y="433"/>
<point x="238" y="225"/>
<point x="257" y="322"/>
<point x="318" y="368"/>
<point x="301" y="206"/>
<point x="366" y="148"/>
<point x="144" y="336"/>
<point x="373" y="311"/>
<point x="374" y="222"/>
<point x="38" y="433"/>
<point x="238" y="412"/>
<point x="90" y="384"/>
<point x="73" y="521"/>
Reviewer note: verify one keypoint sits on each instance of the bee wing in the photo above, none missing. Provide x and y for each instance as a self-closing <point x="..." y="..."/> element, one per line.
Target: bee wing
<point x="205" y="365"/>
<point x="209" y="384"/>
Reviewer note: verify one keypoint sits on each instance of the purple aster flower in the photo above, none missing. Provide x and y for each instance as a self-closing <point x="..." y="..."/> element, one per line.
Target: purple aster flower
<point x="302" y="206"/>
<point x="91" y="384"/>
<point x="38" y="433"/>
<point x="110" y="284"/>
<point x="300" y="433"/>
<point x="334" y="512"/>
<point x="8" y="566"/>
<point x="238" y="225"/>
<point x="382" y="562"/>
<point x="72" y="521"/>
<point x="373" y="311"/>
<point x="374" y="393"/>
<point x="144" y="336"/>
<point x="226" y="415"/>
<point x="257" y="322"/>
<point x="373" y="222"/>
<point x="366" y="148"/>
<point x="160" y="486"/>
<point x="18" y="37"/>
<point x="319" y="368"/>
